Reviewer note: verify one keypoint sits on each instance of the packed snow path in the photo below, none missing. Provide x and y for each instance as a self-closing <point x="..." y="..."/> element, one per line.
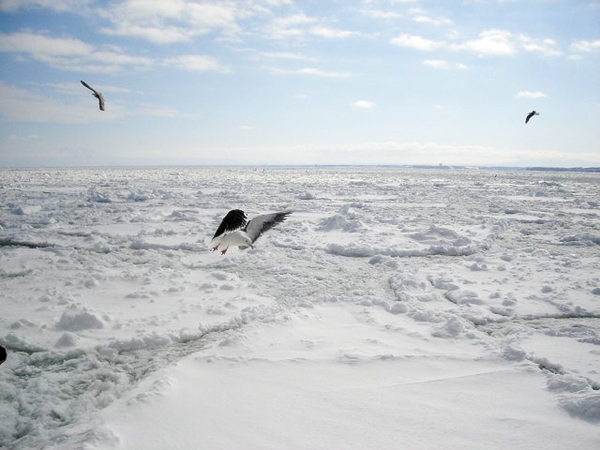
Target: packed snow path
<point x="432" y="308"/>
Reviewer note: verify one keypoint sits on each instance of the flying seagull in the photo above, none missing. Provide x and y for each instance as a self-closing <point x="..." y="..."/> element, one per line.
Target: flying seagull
<point x="234" y="231"/>
<point x="530" y="115"/>
<point x="96" y="94"/>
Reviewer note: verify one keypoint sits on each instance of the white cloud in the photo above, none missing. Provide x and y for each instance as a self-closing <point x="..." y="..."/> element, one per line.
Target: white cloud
<point x="40" y="46"/>
<point x="585" y="46"/>
<point x="491" y="42"/>
<point x="300" y="25"/>
<point x="488" y="43"/>
<point x="290" y="26"/>
<point x="363" y="104"/>
<point x="56" y="5"/>
<point x="310" y="71"/>
<point x="288" y="55"/>
<point x="157" y="111"/>
<point x="321" y="73"/>
<point x="195" y="63"/>
<point x="419" y="16"/>
<point x="331" y="33"/>
<point x="543" y="46"/>
<point x="380" y="14"/>
<point x="22" y="105"/>
<point x="416" y="42"/>
<point x="156" y="34"/>
<point x="69" y="54"/>
<point x="437" y="63"/>
<point x="430" y="20"/>
<point x="443" y="64"/>
<point x="530" y="94"/>
<point x="166" y="22"/>
<point x="76" y="55"/>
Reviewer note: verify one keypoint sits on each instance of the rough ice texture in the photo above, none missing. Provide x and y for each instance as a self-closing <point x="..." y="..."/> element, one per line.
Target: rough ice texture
<point x="421" y="309"/>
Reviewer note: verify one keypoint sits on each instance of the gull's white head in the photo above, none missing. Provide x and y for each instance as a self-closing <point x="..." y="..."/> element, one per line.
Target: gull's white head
<point x="248" y="241"/>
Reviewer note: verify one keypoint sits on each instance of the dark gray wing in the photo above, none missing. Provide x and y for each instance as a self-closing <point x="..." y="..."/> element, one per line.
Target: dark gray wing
<point x="100" y="101"/>
<point x="529" y="116"/>
<point x="259" y="224"/>
<point x="89" y="87"/>
<point x="234" y="220"/>
<point x="96" y="94"/>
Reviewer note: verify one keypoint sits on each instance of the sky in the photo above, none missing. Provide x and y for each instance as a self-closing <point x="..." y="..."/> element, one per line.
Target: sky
<point x="291" y="82"/>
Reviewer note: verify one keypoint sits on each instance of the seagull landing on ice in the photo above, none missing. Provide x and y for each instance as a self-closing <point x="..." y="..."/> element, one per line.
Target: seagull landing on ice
<point x="96" y="94"/>
<point x="530" y="115"/>
<point x="234" y="231"/>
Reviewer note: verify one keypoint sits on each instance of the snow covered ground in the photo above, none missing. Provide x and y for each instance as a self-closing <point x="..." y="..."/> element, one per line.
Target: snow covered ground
<point x="395" y="308"/>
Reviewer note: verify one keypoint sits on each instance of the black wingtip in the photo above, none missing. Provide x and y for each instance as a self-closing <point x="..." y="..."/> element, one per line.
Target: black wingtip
<point x="281" y="216"/>
<point x="234" y="220"/>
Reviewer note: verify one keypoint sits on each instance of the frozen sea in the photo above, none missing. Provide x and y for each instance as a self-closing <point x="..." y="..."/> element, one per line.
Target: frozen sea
<point x="395" y="308"/>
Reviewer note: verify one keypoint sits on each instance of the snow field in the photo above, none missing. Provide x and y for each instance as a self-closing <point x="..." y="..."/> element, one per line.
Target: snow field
<point x="395" y="307"/>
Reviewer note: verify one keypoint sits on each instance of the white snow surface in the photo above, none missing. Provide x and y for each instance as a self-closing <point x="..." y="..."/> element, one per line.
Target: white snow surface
<point x="395" y="308"/>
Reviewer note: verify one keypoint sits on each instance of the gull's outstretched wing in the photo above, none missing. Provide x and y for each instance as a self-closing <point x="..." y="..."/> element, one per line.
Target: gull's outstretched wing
<point x="234" y="220"/>
<point x="89" y="87"/>
<point x="259" y="224"/>
<point x="96" y="94"/>
<point x="100" y="101"/>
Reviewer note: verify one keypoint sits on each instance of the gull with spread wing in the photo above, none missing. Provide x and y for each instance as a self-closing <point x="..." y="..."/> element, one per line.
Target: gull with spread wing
<point x="96" y="94"/>
<point x="234" y="231"/>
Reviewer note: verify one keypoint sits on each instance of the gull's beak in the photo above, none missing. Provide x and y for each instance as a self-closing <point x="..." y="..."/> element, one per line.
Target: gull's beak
<point x="252" y="246"/>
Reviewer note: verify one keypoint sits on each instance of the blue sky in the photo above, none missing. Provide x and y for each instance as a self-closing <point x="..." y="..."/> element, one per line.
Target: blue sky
<point x="300" y="82"/>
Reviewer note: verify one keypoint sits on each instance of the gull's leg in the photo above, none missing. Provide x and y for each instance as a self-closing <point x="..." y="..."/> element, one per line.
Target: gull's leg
<point x="224" y="251"/>
<point x="214" y="248"/>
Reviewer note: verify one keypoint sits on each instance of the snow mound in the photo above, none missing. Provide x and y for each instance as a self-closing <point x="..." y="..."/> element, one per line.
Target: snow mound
<point x="78" y="321"/>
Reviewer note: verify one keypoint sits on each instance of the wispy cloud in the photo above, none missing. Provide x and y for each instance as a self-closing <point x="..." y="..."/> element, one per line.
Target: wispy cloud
<point x="156" y="34"/>
<point x="331" y="33"/>
<point x="56" y="5"/>
<point x="287" y="55"/>
<point x="585" y="46"/>
<point x="74" y="106"/>
<point x="23" y="105"/>
<point x="195" y="63"/>
<point x="492" y="42"/>
<point x="302" y="26"/>
<point x="166" y="22"/>
<point x="420" y="16"/>
<point x="76" y="55"/>
<point x="311" y="71"/>
<point x="70" y="54"/>
<point x="157" y="111"/>
<point x="363" y="104"/>
<point x="443" y="64"/>
<point x="417" y="42"/>
<point x="321" y="73"/>
<point x="381" y="14"/>
<point x="545" y="47"/>
<point x="530" y="94"/>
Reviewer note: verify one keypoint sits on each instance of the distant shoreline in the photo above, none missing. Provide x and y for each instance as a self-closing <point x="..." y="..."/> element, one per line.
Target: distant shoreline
<point x="322" y="166"/>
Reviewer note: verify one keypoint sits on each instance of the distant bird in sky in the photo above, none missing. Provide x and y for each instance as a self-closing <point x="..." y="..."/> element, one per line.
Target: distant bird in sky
<point x="234" y="231"/>
<point x="530" y="115"/>
<point x="96" y="94"/>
